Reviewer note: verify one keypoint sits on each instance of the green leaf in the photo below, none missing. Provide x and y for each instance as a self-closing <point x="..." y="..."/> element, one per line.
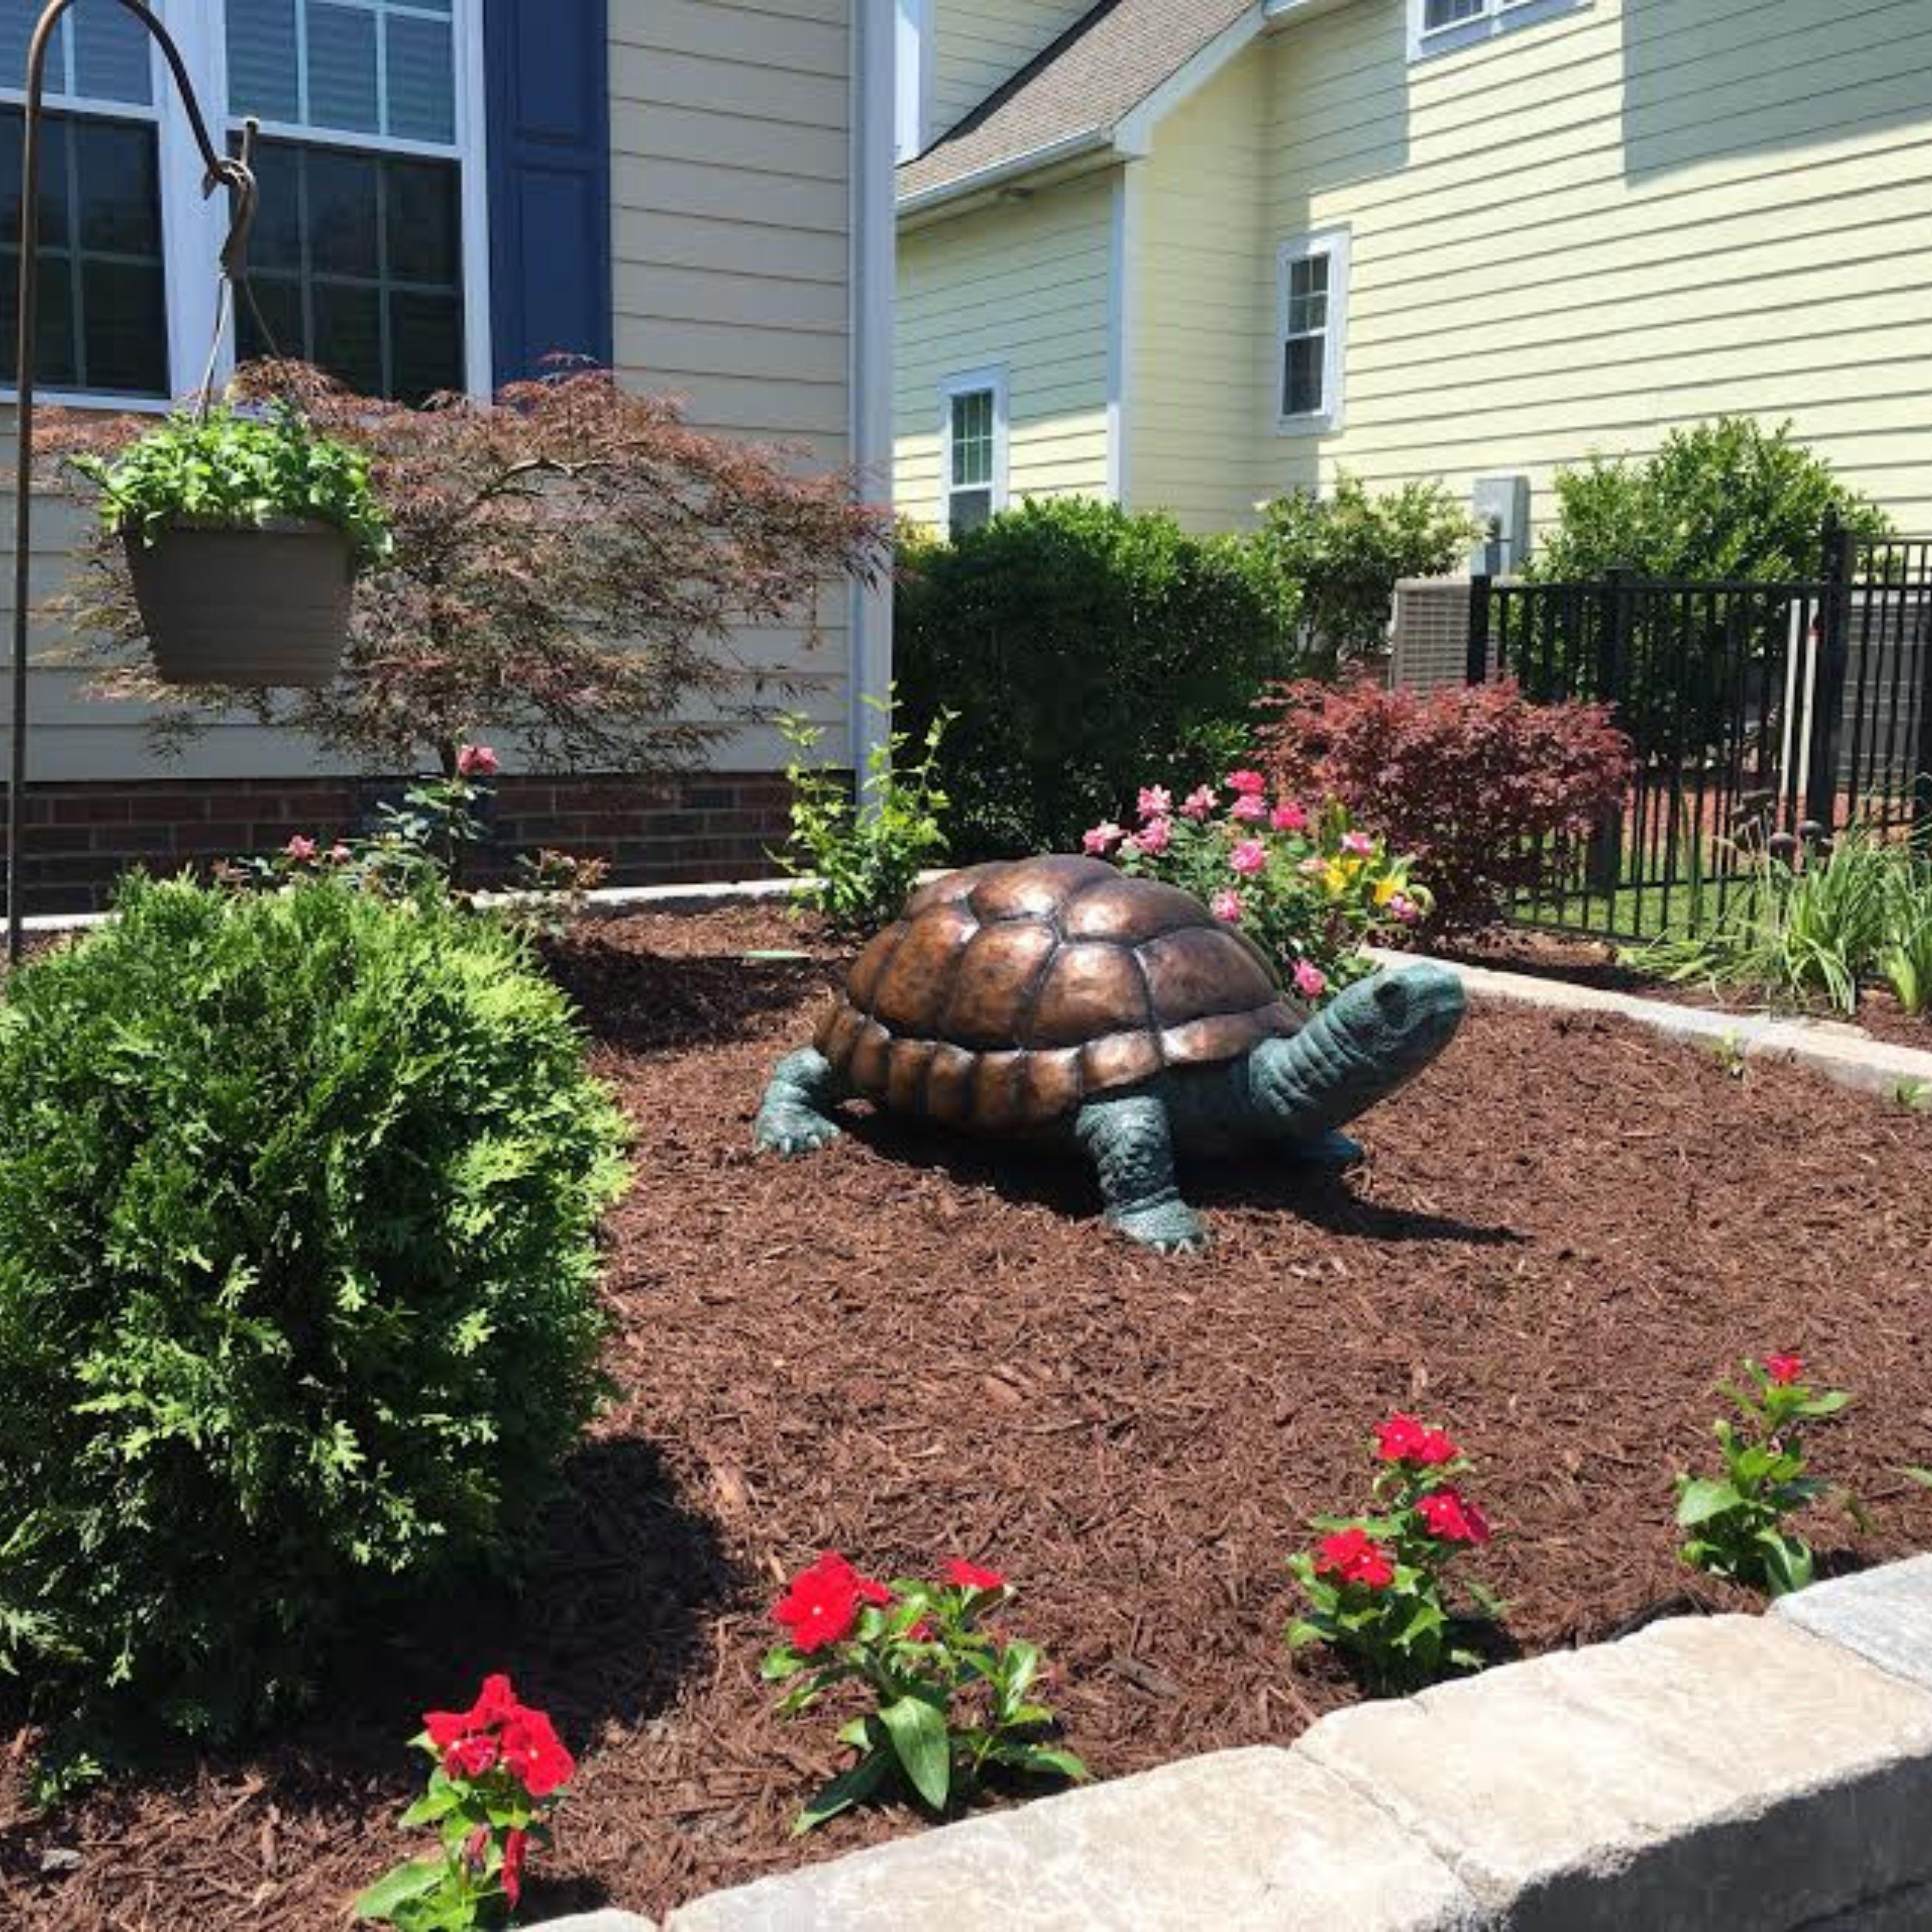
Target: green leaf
<point x="1923" y="1477"/>
<point x="780" y="1663"/>
<point x="1788" y="1564"/>
<point x="919" y="1741"/>
<point x="398" y="1887"/>
<point x="430" y="1806"/>
<point x="1057" y="1763"/>
<point x="848" y="1789"/>
<point x="1701" y="1497"/>
<point x="1022" y="1667"/>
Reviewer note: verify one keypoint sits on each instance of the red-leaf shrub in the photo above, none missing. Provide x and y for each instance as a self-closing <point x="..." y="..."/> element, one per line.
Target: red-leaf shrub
<point x="1471" y="782"/>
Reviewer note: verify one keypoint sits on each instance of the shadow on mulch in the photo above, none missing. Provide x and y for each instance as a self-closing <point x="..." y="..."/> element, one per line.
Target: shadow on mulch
<point x="1063" y="1184"/>
<point x="643" y="1002"/>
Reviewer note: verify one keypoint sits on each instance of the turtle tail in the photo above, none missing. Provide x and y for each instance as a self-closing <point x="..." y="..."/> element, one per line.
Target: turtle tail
<point x="1375" y="1036"/>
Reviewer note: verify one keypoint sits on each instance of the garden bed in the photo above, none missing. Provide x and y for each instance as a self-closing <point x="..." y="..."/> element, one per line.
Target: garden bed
<point x="909" y="1348"/>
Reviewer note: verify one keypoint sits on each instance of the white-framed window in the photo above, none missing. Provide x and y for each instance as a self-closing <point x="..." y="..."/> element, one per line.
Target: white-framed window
<point x="1313" y="316"/>
<point x="973" y="447"/>
<point x="1441" y="26"/>
<point x="369" y="251"/>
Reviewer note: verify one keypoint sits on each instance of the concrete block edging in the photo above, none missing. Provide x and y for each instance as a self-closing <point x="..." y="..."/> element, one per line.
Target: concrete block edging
<point x="1706" y="1774"/>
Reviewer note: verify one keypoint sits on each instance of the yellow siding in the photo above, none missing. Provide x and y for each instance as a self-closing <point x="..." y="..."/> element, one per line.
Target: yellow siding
<point x="1580" y="234"/>
<point x="979" y="45"/>
<point x="1201" y="348"/>
<point x="1022" y="286"/>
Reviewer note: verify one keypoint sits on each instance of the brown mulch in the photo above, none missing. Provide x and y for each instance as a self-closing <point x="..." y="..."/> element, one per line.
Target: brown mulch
<point x="908" y="1348"/>
<point x="1546" y="954"/>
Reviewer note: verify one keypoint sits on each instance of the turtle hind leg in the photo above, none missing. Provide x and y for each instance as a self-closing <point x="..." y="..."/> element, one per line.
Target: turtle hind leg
<point x="795" y="1116"/>
<point x="1132" y="1145"/>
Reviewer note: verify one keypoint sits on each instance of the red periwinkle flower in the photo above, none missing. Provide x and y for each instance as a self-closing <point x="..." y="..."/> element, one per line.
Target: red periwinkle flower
<point x="1354" y="1556"/>
<point x="823" y="1603"/>
<point x="496" y="1702"/>
<point x="513" y="1865"/>
<point x="1784" y="1369"/>
<point x="533" y="1751"/>
<point x="1453" y="1518"/>
<point x="970" y="1576"/>
<point x="1403" y="1439"/>
<point x="471" y="1756"/>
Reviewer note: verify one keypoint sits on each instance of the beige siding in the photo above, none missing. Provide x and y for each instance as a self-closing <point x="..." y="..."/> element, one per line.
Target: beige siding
<point x="1641" y="214"/>
<point x="1201" y="348"/>
<point x="729" y="133"/>
<point x="729" y="136"/>
<point x="978" y="45"/>
<point x="1022" y="286"/>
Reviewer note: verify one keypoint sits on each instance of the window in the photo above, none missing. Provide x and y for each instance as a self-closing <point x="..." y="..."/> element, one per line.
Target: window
<point x="1314" y="297"/>
<point x="973" y="448"/>
<point x="368" y="254"/>
<point x="1440" y="26"/>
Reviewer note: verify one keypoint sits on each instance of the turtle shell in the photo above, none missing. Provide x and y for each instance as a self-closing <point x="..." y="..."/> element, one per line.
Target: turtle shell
<point x="1007" y="995"/>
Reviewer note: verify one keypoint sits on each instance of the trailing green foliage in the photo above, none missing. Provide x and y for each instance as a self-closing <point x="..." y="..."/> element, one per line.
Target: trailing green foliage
<point x="299" y="1196"/>
<point x="1820" y="924"/>
<point x="234" y="468"/>
<point x="1086" y="652"/>
<point x="1333" y="562"/>
<point x="857" y="860"/>
<point x="1724" y="499"/>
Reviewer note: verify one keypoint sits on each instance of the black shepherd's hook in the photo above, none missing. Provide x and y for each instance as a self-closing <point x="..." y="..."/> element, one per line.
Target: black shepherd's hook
<point x="223" y="171"/>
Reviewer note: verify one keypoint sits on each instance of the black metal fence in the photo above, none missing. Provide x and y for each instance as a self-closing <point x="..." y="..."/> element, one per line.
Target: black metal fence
<point x="1757" y="711"/>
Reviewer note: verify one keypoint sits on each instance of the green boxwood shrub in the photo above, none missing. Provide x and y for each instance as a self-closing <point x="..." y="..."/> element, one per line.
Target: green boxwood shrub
<point x="298" y="1197"/>
<point x="1086" y="652"/>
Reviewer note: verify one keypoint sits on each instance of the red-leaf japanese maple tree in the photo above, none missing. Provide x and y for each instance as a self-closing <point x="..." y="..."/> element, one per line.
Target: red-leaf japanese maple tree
<point x="571" y="562"/>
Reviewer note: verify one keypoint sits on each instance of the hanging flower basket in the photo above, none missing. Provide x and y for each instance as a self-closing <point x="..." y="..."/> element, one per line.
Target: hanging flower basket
<point x="244" y="535"/>
<point x="264" y="604"/>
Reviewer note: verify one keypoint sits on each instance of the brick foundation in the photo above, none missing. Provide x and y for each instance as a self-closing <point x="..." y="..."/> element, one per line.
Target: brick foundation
<point x="81" y="836"/>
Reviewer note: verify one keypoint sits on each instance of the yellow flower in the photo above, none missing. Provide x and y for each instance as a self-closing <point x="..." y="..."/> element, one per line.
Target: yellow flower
<point x="1386" y="889"/>
<point x="1336" y="877"/>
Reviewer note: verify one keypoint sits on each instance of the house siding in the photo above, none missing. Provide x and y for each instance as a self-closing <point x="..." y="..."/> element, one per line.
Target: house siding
<point x="730" y="135"/>
<point x="979" y="45"/>
<point x="1200" y="348"/>
<point x="1023" y="285"/>
<point x="1577" y="235"/>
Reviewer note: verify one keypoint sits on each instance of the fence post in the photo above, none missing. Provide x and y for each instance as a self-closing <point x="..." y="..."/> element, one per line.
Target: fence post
<point x="1824" y="726"/>
<point x="1605" y="862"/>
<point x="1476" y="659"/>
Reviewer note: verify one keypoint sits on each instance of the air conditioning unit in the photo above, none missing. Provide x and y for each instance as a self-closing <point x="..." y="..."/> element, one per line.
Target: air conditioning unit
<point x="1429" y="640"/>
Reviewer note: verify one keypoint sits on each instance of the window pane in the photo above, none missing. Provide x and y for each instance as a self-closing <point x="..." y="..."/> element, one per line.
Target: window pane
<point x="348" y="340"/>
<point x="343" y="218"/>
<point x="424" y="221"/>
<point x="970" y="510"/>
<point x="1301" y="387"/>
<point x="16" y="31"/>
<point x="422" y="79"/>
<point x="263" y="73"/>
<point x="1450" y="13"/>
<point x="101" y="319"/>
<point x="341" y="68"/>
<point x="427" y="334"/>
<point x="110" y="55"/>
<point x="972" y="437"/>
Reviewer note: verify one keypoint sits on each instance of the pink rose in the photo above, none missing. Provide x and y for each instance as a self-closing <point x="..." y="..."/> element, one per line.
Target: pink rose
<point x="339" y="854"/>
<point x="301" y="850"/>
<point x="1310" y="981"/>
<point x="1403" y="907"/>
<point x="1155" y="836"/>
<point x="1248" y="809"/>
<point x="476" y="761"/>
<point x="1312" y="867"/>
<point x="1226" y="905"/>
<point x="1155" y="802"/>
<point x="1101" y="838"/>
<point x="1248" y="783"/>
<point x="1289" y="818"/>
<point x="1198" y="803"/>
<point x="1249" y="856"/>
<point x="1358" y="845"/>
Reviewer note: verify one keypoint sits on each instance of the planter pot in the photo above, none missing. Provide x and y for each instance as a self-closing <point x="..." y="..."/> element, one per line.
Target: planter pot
<point x="244" y="604"/>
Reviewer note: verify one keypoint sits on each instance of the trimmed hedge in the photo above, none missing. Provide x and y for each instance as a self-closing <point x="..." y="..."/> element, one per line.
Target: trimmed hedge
<point x="298" y="1196"/>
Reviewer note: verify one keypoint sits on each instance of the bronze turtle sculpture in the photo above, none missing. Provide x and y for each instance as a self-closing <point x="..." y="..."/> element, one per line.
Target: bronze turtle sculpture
<point x="1058" y="996"/>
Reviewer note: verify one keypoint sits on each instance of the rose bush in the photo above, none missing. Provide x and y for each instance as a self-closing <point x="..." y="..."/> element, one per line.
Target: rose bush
<point x="951" y="1698"/>
<point x="1738" y="1521"/>
<point x="499" y="1767"/>
<point x="1376" y="1584"/>
<point x="1307" y="887"/>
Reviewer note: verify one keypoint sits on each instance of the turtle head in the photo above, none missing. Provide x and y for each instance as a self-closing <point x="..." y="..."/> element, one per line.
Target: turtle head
<point x="1374" y="1036"/>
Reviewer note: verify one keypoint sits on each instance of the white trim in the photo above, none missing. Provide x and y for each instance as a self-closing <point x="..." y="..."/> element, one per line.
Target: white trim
<point x="966" y="383"/>
<point x="1134" y="134"/>
<point x="473" y="138"/>
<point x="1335" y="244"/>
<point x="1498" y="16"/>
<point x="869" y="355"/>
<point x="1123" y="280"/>
<point x="912" y="77"/>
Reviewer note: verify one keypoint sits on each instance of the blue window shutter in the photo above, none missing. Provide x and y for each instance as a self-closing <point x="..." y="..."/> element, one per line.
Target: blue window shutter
<point x="549" y="182"/>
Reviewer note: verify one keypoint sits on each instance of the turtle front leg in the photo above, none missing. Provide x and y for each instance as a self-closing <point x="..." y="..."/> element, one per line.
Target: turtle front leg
<point x="795" y="1117"/>
<point x="1131" y="1143"/>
